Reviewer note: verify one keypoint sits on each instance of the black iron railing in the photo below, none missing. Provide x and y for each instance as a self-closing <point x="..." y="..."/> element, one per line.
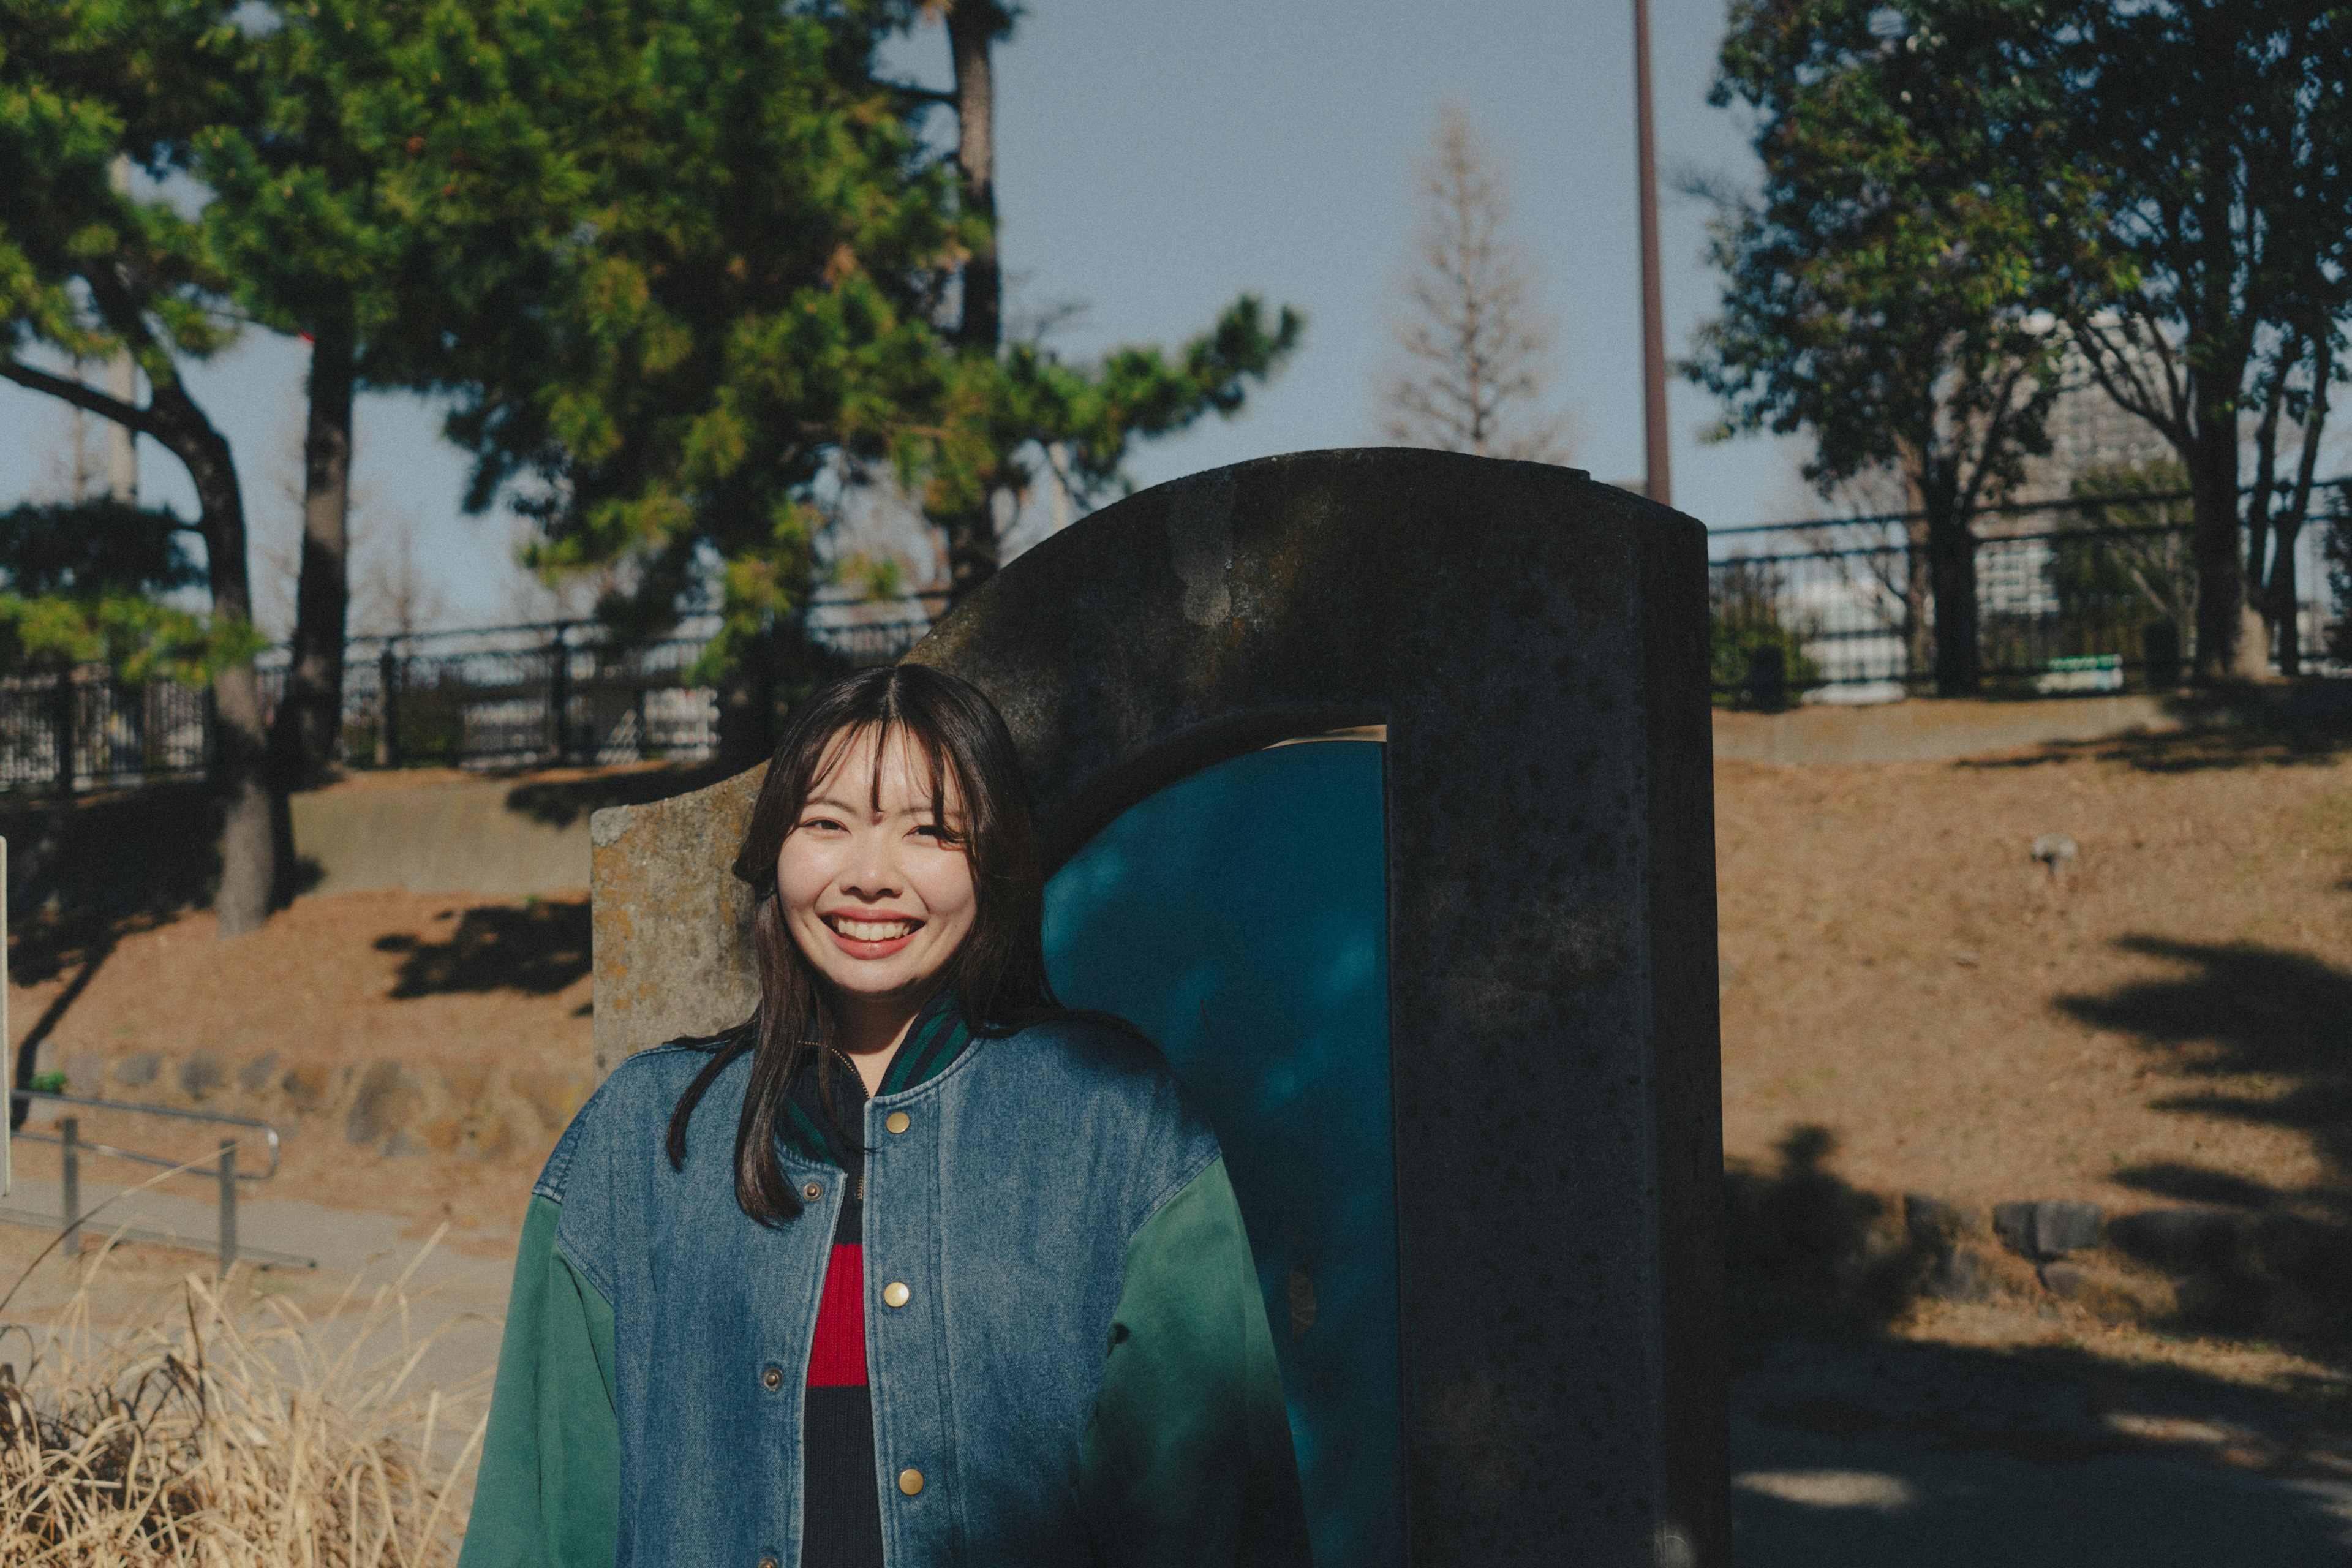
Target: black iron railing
<point x="2074" y="596"/>
<point x="552" y="693"/>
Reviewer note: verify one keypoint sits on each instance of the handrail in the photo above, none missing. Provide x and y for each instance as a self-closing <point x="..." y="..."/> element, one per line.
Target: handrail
<point x="170" y="1111"/>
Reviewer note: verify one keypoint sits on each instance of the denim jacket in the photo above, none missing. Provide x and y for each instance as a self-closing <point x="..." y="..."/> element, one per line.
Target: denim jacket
<point x="1078" y="1370"/>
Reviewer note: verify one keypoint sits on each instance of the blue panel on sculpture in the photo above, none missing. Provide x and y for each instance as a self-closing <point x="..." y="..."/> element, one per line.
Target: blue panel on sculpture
<point x="1239" y="917"/>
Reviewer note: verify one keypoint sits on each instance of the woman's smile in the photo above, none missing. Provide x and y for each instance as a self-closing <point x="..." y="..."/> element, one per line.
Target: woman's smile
<point x="867" y="935"/>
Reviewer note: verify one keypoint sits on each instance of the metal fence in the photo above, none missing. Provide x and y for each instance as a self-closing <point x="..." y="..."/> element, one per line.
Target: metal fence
<point x="559" y="692"/>
<point x="2074" y="596"/>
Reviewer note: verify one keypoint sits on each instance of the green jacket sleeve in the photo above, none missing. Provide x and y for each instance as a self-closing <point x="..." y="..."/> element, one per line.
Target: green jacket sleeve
<point x="547" y="1493"/>
<point x="1188" y="1463"/>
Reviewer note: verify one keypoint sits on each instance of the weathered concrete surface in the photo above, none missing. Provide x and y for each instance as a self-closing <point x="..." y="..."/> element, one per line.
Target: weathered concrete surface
<point x="672" y="928"/>
<point x="1537" y="645"/>
<point x="1932" y="729"/>
<point x="439" y="839"/>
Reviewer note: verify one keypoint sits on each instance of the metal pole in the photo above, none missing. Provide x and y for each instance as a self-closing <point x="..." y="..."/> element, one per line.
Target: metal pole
<point x="227" y="1204"/>
<point x="1658" y="484"/>
<point x="387" y="708"/>
<point x="69" y="1200"/>
<point x="559" y="695"/>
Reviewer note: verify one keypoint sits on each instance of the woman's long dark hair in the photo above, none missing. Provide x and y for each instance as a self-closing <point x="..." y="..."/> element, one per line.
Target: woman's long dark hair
<point x="999" y="972"/>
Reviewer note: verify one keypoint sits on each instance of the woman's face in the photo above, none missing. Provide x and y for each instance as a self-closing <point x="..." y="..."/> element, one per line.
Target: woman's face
<point x="877" y="896"/>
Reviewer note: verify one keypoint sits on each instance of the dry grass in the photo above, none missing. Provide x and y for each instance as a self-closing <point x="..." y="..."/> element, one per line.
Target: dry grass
<point x="222" y="1428"/>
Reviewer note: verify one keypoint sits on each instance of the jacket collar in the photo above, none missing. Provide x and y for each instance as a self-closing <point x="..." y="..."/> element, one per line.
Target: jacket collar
<point x="934" y="1040"/>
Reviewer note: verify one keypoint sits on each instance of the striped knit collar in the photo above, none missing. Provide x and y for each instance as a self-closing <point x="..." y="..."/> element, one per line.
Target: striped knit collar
<point x="934" y="1040"/>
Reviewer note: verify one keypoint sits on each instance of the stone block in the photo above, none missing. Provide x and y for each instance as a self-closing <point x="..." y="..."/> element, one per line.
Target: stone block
<point x="1959" y="1275"/>
<point x="2062" y="1228"/>
<point x="139" y="1071"/>
<point x="2100" y="1293"/>
<point x="306" y="1088"/>
<point x="85" y="1073"/>
<point x="2047" y="1229"/>
<point x="1934" y="1225"/>
<point x="386" y="1101"/>
<point x="2183" y="1239"/>
<point x="202" y="1074"/>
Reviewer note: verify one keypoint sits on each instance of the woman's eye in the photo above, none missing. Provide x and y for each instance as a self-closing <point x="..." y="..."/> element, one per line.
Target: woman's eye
<point x="820" y="824"/>
<point x="945" y="837"/>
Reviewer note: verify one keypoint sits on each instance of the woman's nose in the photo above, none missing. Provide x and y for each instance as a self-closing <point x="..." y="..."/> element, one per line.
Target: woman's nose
<point x="873" y="871"/>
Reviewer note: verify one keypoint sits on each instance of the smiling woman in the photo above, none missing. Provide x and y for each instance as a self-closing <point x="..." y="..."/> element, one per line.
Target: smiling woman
<point x="876" y="888"/>
<point x="964" y="1281"/>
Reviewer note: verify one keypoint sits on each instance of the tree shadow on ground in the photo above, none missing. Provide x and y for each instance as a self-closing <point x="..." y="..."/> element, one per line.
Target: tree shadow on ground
<point x="2285" y="742"/>
<point x="1869" y="1450"/>
<point x="77" y="865"/>
<point x="1855" y="1445"/>
<point x="560" y="803"/>
<point x="538" y="948"/>
<point x="1808" y="1253"/>
<point x="2234" y="1009"/>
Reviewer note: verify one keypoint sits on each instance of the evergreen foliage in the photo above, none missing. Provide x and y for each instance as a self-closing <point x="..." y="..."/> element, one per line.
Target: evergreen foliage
<point x="89" y="90"/>
<point x="1755" y="658"/>
<point x="86" y="584"/>
<point x="1888" y="292"/>
<point x="2214" y="138"/>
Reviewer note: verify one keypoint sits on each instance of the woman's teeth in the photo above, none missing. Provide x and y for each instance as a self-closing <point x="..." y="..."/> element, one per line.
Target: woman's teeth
<point x="872" y="930"/>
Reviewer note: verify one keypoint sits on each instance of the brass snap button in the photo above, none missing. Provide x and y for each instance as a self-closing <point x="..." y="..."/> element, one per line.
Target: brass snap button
<point x="771" y="1377"/>
<point x="813" y="1191"/>
<point x="767" y="1562"/>
<point x="895" y="1294"/>
<point x="897" y="1121"/>
<point x="910" y="1481"/>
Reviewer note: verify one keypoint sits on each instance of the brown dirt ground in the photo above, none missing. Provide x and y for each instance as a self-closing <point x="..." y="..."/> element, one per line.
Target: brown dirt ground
<point x="2164" y="1020"/>
<point x="444" y="986"/>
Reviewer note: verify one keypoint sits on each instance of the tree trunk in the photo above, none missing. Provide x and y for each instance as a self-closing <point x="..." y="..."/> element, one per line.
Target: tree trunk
<point x="2230" y="642"/>
<point x="2285" y="612"/>
<point x="747" y="708"/>
<point x="249" y="840"/>
<point x="1918" y="625"/>
<point x="973" y="27"/>
<point x="971" y="552"/>
<point x="309" y="720"/>
<point x="1952" y="572"/>
<point x="248" y="846"/>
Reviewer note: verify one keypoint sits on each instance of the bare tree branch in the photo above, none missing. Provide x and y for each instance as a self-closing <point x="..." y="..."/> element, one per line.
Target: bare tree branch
<point x="1476" y="345"/>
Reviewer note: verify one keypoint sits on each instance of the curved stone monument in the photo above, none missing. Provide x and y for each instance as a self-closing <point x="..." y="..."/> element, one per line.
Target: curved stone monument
<point x="1536" y="646"/>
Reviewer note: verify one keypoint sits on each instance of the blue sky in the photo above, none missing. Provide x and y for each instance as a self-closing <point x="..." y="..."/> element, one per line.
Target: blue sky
<point x="1153" y="162"/>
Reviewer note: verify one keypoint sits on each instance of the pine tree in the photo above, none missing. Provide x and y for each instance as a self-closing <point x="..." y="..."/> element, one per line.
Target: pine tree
<point x="298" y="224"/>
<point x="1004" y="406"/>
<point x="87" y="268"/>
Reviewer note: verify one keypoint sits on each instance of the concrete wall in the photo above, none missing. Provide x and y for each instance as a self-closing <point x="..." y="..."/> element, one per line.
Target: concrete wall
<point x="1928" y="730"/>
<point x="441" y="838"/>
<point x="1932" y="730"/>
